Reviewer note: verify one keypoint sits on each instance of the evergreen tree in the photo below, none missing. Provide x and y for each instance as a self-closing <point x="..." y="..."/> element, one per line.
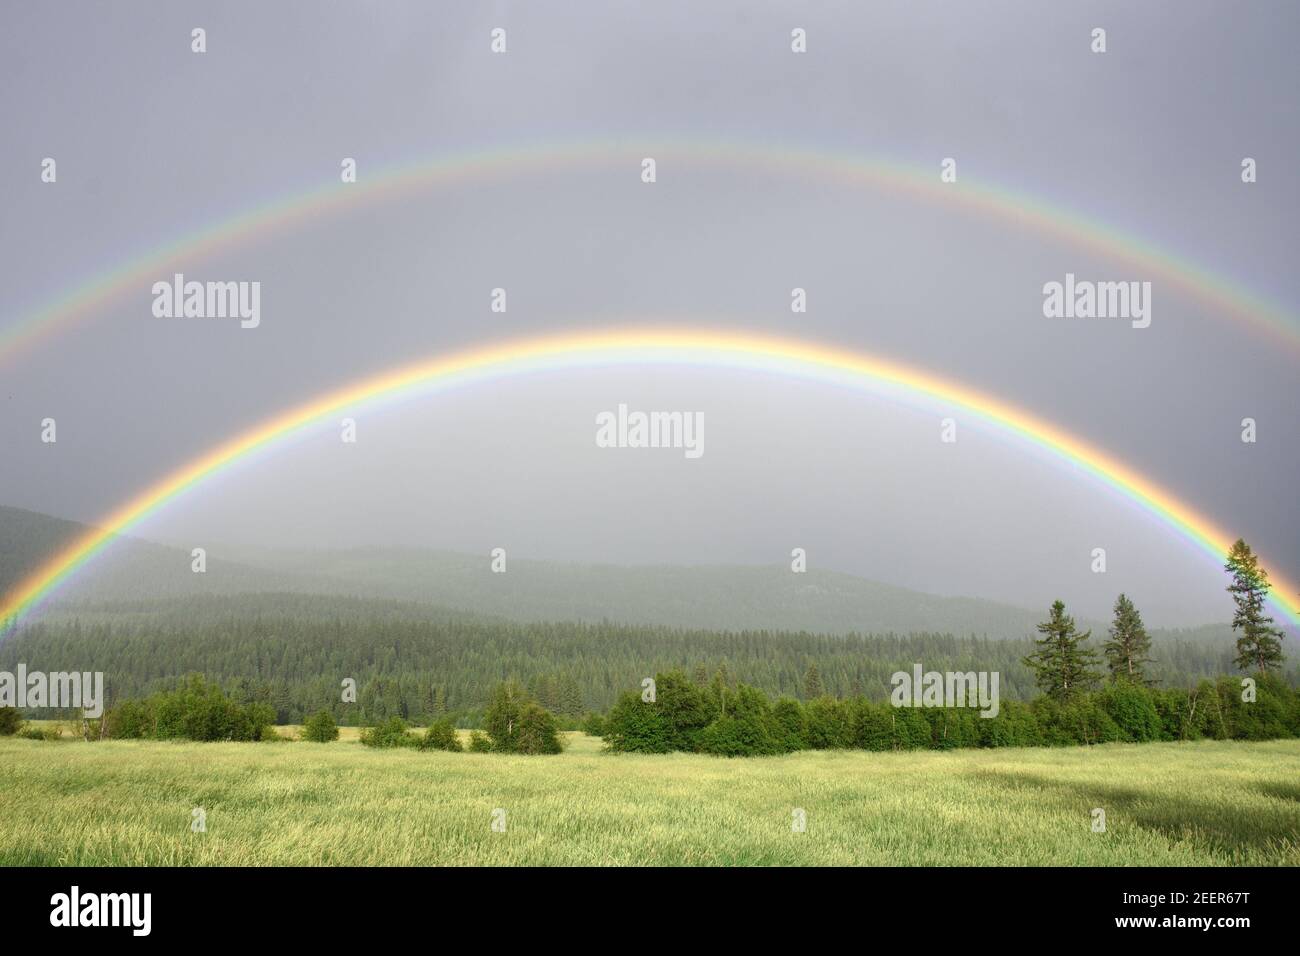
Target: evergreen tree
<point x="502" y="719"/>
<point x="1260" y="644"/>
<point x="441" y="735"/>
<point x="11" y="721"/>
<point x="1061" y="666"/>
<point x="718" y="692"/>
<point x="320" y="727"/>
<point x="571" y="702"/>
<point x="1127" y="649"/>
<point x="812" y="683"/>
<point x="538" y="732"/>
<point x="282" y="701"/>
<point x="544" y="691"/>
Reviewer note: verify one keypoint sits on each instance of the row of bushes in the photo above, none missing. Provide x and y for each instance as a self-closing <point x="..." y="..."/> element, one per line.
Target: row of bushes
<point x="514" y="721"/>
<point x="393" y="732"/>
<point x="13" y="725"/>
<point x="196" y="710"/>
<point x="741" y="721"/>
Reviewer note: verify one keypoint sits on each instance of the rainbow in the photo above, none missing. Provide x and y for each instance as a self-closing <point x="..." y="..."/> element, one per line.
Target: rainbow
<point x="656" y="345"/>
<point x="1021" y="210"/>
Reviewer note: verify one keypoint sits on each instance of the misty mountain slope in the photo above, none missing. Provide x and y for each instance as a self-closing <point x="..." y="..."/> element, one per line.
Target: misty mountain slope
<point x="135" y="572"/>
<point x="130" y="569"/>
<point x="712" y="597"/>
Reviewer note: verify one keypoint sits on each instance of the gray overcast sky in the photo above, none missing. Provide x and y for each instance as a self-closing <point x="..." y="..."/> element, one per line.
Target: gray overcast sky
<point x="154" y="142"/>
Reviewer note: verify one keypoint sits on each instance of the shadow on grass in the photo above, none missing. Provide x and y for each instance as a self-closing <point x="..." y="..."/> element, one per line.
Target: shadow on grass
<point x="1222" y="826"/>
<point x="1282" y="791"/>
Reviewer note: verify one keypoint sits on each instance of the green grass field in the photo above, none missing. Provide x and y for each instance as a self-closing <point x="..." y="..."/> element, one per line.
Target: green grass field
<point x="130" y="802"/>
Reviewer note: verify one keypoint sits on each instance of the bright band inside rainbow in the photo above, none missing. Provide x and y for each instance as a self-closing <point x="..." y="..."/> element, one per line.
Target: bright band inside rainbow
<point x="720" y="348"/>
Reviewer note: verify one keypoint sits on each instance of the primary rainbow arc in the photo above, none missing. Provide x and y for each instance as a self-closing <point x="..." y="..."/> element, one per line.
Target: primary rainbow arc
<point x="659" y="345"/>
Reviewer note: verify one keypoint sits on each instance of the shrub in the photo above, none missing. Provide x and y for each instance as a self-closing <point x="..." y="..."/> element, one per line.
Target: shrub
<point x="538" y="731"/>
<point x="130" y="720"/>
<point x="517" y="724"/>
<point x="735" y="737"/>
<point x="594" y="725"/>
<point x="789" y="725"/>
<point x="1176" y="711"/>
<point x="1015" y="726"/>
<point x="88" y="728"/>
<point x="261" y="722"/>
<point x="1080" y="720"/>
<point x="911" y="730"/>
<point x="830" y="724"/>
<point x="389" y="733"/>
<point x="10" y="721"/>
<point x="1267" y="718"/>
<point x="1211" y="719"/>
<point x="746" y="730"/>
<point x="1133" y="709"/>
<point x="635" y="726"/>
<point x="320" y="728"/>
<point x="501" y="720"/>
<point x="32" y="732"/>
<point x="480" y="743"/>
<point x="441" y="735"/>
<point x="686" y="709"/>
<point x="1292" y="702"/>
<point x="196" y="710"/>
<point x="953" y="727"/>
<point x="873" y="726"/>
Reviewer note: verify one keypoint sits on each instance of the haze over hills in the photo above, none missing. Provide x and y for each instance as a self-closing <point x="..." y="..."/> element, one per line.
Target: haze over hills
<point x="706" y="597"/>
<point x="415" y="626"/>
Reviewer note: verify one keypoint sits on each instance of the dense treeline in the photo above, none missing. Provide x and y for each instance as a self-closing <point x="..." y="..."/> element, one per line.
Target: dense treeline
<point x="739" y="720"/>
<point x="672" y="712"/>
<point x="422" y="669"/>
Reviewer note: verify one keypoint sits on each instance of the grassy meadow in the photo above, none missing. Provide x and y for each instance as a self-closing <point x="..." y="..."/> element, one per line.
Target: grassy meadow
<point x="129" y="803"/>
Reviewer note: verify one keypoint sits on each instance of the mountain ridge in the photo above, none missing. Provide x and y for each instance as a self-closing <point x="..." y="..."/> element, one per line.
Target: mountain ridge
<point x="711" y="597"/>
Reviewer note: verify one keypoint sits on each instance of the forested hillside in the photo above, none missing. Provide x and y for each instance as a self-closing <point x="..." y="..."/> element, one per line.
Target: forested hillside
<point x="410" y="660"/>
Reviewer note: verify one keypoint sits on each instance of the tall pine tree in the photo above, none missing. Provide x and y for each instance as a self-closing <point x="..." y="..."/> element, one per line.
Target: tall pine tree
<point x="812" y="683"/>
<point x="1259" y="644"/>
<point x="1127" y="649"/>
<point x="1060" y="665"/>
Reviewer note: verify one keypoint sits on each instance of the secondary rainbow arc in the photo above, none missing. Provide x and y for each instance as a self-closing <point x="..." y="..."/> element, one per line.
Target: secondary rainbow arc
<point x="1020" y="209"/>
<point x="723" y="348"/>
